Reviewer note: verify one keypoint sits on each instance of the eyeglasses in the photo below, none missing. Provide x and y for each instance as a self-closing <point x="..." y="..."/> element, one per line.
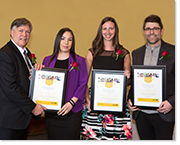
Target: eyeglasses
<point x="149" y="29"/>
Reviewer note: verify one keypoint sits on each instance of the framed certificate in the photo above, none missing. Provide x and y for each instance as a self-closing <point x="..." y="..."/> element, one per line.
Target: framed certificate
<point x="108" y="91"/>
<point x="148" y="86"/>
<point x="48" y="87"/>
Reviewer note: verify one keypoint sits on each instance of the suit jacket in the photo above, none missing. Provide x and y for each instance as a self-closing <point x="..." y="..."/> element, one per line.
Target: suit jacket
<point x="15" y="106"/>
<point x="77" y="80"/>
<point x="138" y="59"/>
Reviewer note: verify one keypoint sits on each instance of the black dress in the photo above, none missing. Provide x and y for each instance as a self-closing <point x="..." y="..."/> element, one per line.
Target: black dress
<point x="63" y="127"/>
<point x="107" y="126"/>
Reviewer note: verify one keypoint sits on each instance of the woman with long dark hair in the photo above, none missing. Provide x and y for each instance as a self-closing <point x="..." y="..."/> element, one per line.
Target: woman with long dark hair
<point x="66" y="123"/>
<point x="107" y="53"/>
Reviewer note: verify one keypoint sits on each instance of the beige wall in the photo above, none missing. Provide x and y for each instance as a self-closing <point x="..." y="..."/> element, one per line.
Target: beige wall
<point x="84" y="17"/>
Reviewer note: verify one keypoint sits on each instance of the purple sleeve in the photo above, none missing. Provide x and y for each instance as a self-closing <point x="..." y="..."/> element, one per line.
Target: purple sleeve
<point x="83" y="78"/>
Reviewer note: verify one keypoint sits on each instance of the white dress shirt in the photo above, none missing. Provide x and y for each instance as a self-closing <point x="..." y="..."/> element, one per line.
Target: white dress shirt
<point x="22" y="53"/>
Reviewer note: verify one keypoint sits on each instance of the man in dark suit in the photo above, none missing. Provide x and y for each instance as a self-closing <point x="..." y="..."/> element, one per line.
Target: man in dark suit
<point x="16" y="108"/>
<point x="156" y="124"/>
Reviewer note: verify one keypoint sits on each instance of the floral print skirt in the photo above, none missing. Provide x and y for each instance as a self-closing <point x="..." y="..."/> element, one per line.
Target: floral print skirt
<point x="106" y="126"/>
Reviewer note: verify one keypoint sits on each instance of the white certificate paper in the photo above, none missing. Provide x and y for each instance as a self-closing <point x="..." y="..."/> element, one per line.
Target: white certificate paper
<point x="108" y="92"/>
<point x="48" y="89"/>
<point x="148" y="87"/>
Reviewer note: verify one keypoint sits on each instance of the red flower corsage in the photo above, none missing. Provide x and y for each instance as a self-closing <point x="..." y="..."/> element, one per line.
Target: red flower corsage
<point x="165" y="55"/>
<point x="33" y="58"/>
<point x="74" y="65"/>
<point x="119" y="53"/>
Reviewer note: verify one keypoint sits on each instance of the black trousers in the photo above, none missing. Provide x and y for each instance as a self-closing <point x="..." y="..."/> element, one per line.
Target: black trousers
<point x="152" y="127"/>
<point x="11" y="134"/>
<point x="66" y="127"/>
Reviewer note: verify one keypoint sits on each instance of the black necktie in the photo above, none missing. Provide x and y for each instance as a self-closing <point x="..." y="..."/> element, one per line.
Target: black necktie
<point x="26" y="57"/>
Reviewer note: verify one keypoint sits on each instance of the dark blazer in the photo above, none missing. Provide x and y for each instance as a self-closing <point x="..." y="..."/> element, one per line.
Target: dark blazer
<point x="138" y="59"/>
<point x="15" y="106"/>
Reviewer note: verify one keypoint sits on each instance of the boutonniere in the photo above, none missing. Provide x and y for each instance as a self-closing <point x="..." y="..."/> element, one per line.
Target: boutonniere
<point x="33" y="58"/>
<point x="74" y="65"/>
<point x="165" y="55"/>
<point x="119" y="53"/>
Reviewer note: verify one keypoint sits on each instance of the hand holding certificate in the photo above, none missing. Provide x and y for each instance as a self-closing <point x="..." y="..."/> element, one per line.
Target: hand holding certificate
<point x="148" y="85"/>
<point x="48" y="87"/>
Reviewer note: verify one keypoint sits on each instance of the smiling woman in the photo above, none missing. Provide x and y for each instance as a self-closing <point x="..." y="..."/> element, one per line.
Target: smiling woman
<point x="65" y="44"/>
<point x="102" y="55"/>
<point x="108" y="31"/>
<point x="67" y="121"/>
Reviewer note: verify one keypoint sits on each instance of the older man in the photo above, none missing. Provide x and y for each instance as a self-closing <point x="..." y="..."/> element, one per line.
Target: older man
<point x="16" y="108"/>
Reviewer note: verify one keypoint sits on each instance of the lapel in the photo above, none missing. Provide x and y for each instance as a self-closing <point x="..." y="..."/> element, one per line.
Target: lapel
<point x="161" y="62"/>
<point x="142" y="54"/>
<point x="19" y="56"/>
<point x="52" y="64"/>
<point x="71" y="60"/>
<point x="28" y="54"/>
<point x="138" y="56"/>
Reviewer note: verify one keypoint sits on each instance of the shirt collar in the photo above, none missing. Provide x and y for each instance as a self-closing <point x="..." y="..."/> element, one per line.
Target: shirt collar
<point x="155" y="47"/>
<point x="19" y="48"/>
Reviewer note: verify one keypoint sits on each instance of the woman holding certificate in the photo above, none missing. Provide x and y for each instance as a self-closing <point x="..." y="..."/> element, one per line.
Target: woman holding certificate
<point x="106" y="53"/>
<point x="66" y="123"/>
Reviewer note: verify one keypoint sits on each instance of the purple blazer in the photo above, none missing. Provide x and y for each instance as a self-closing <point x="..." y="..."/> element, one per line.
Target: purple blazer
<point x="77" y="80"/>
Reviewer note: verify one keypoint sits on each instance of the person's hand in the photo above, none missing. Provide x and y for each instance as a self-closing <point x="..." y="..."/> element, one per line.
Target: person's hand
<point x="164" y="107"/>
<point x="65" y="109"/>
<point x="39" y="109"/>
<point x="30" y="74"/>
<point x="88" y="102"/>
<point x="39" y="66"/>
<point x="131" y="107"/>
<point x="127" y="73"/>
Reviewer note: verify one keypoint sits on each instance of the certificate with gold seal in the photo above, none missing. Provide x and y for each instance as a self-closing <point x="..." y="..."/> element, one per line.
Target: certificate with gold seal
<point x="148" y="85"/>
<point x="48" y="87"/>
<point x="108" y="91"/>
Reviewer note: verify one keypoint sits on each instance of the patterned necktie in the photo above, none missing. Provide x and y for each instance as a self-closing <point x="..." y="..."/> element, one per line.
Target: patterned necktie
<point x="26" y="57"/>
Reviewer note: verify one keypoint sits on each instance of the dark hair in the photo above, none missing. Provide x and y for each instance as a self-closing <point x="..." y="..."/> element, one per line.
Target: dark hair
<point x="153" y="18"/>
<point x="98" y="43"/>
<point x="21" y="22"/>
<point x="57" y="44"/>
